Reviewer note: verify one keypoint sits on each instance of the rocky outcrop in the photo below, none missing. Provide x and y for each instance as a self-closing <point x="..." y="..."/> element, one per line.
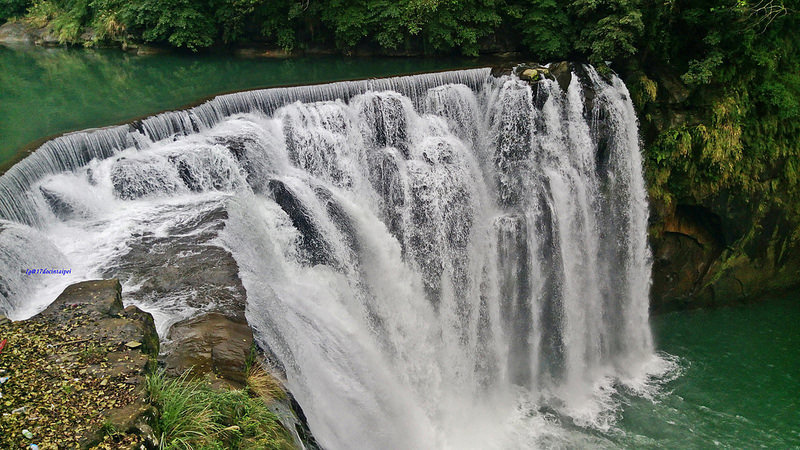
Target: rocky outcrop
<point x="685" y="247"/>
<point x="95" y="308"/>
<point x="95" y="312"/>
<point x="186" y="267"/>
<point x="210" y="343"/>
<point x="24" y="33"/>
<point x="699" y="259"/>
<point x="77" y="370"/>
<point x="711" y="245"/>
<point x="105" y="351"/>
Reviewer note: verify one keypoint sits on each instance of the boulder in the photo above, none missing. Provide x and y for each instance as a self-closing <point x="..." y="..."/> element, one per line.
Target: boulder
<point x="533" y="73"/>
<point x="17" y="33"/>
<point x="529" y="75"/>
<point x="562" y="73"/>
<point x="46" y="38"/>
<point x="98" y="298"/>
<point x="210" y="343"/>
<point x="94" y="311"/>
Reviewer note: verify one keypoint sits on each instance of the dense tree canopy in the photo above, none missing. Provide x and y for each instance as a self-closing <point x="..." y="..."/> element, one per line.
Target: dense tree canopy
<point x="601" y="30"/>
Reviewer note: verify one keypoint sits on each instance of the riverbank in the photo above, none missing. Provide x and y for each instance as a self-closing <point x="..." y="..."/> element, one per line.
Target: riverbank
<point x="85" y="373"/>
<point x="76" y="373"/>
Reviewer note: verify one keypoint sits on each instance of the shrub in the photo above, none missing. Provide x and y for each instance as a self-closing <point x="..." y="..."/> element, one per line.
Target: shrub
<point x="13" y="8"/>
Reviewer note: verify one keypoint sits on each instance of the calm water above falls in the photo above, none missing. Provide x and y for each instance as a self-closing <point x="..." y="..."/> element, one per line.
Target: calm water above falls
<point x="68" y="90"/>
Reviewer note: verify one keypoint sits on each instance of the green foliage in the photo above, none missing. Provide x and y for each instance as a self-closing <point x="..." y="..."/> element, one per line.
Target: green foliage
<point x="232" y="18"/>
<point x="107" y="25"/>
<point x="184" y="418"/>
<point x="544" y="26"/>
<point x="65" y="18"/>
<point x="192" y="415"/>
<point x="701" y="72"/>
<point x="601" y="30"/>
<point x="434" y="25"/>
<point x="459" y="25"/>
<point x="745" y="86"/>
<point x="697" y="161"/>
<point x="611" y="28"/>
<point x="13" y="8"/>
<point x="181" y="23"/>
<point x="643" y="90"/>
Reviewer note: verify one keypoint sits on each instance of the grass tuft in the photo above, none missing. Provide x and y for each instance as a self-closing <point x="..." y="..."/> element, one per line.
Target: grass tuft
<point x="194" y="416"/>
<point x="264" y="385"/>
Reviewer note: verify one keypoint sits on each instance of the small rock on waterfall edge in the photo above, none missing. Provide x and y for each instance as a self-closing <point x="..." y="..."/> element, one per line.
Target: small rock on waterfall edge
<point x="560" y="72"/>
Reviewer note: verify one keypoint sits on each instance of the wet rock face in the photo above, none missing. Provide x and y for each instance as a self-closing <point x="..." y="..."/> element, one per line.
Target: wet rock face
<point x="60" y="207"/>
<point x="679" y="265"/>
<point x="689" y="243"/>
<point x="697" y="261"/>
<point x="210" y="343"/>
<point x="313" y="245"/>
<point x="185" y="264"/>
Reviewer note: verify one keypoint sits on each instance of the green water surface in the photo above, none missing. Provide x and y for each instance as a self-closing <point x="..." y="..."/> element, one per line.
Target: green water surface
<point x="740" y="381"/>
<point x="44" y="92"/>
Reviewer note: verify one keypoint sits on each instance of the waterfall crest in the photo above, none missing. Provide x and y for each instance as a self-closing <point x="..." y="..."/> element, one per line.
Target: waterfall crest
<point x="448" y="260"/>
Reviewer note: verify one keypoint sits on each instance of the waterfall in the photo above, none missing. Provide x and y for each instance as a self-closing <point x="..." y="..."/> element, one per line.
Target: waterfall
<point x="448" y="260"/>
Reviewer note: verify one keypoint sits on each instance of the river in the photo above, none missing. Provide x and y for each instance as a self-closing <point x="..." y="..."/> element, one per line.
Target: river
<point x="44" y="92"/>
<point x="731" y="374"/>
<point x="739" y="382"/>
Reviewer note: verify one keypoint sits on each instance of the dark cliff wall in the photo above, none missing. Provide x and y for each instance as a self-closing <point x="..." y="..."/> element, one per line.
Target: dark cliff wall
<point x="719" y="235"/>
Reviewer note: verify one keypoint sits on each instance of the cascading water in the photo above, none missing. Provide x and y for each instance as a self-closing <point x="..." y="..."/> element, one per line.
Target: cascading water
<point x="449" y="260"/>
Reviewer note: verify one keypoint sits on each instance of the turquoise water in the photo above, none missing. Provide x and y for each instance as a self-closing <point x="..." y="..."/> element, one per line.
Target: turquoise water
<point x="739" y="385"/>
<point x="50" y="91"/>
